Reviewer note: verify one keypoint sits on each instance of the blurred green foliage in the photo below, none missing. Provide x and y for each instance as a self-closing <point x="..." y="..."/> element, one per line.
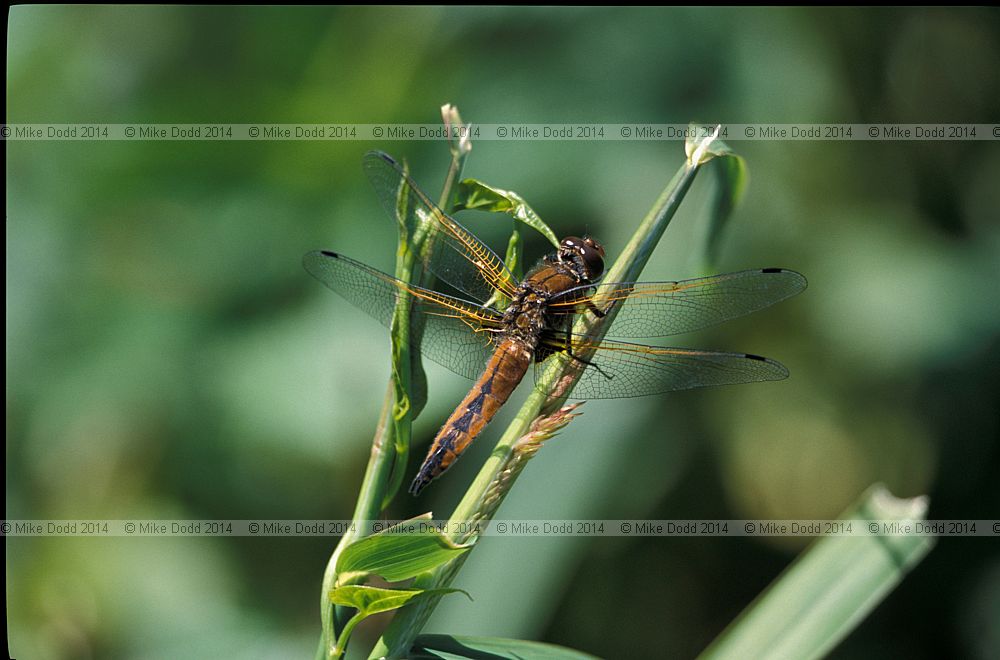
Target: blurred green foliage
<point x="167" y="357"/>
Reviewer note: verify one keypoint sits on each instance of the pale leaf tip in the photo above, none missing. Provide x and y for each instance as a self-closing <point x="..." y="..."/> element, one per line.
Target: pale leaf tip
<point x="697" y="148"/>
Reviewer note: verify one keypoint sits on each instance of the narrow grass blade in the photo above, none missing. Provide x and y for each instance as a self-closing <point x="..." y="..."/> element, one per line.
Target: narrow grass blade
<point x="456" y="646"/>
<point x="731" y="176"/>
<point x="830" y="588"/>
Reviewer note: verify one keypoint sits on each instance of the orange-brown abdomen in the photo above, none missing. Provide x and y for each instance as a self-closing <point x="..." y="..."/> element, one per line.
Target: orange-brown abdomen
<point x="503" y="372"/>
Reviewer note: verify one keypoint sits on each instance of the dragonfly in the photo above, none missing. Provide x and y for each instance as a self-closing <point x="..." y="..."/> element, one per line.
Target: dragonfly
<point x="472" y="336"/>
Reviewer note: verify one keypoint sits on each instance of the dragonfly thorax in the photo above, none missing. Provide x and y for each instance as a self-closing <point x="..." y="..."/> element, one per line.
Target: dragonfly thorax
<point x="524" y="318"/>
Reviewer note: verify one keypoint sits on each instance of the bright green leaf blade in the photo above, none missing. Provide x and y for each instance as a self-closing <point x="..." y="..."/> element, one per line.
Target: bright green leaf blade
<point x="473" y="194"/>
<point x="372" y="600"/>
<point x="829" y="589"/>
<point x="400" y="552"/>
<point x="454" y="646"/>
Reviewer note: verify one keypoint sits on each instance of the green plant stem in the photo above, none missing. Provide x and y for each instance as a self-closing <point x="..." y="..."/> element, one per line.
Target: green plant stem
<point x="408" y="622"/>
<point x="368" y="507"/>
<point x="341" y="645"/>
<point x="390" y="446"/>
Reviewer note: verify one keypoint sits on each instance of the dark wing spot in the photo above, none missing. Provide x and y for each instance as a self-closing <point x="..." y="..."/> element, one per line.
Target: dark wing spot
<point x="384" y="156"/>
<point x="772" y="270"/>
<point x="754" y="357"/>
<point x="330" y="254"/>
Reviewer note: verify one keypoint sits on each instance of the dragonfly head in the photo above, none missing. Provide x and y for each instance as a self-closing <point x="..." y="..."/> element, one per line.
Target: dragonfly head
<point x="585" y="254"/>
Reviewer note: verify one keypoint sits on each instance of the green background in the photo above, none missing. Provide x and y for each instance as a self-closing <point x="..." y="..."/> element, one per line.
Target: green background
<point x="167" y="356"/>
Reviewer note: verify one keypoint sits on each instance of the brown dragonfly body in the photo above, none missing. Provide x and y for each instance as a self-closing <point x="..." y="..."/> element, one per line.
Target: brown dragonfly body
<point x="495" y="347"/>
<point x="578" y="262"/>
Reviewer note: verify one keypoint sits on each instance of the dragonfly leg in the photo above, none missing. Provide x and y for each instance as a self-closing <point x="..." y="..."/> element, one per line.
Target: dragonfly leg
<point x="569" y="351"/>
<point x="594" y="309"/>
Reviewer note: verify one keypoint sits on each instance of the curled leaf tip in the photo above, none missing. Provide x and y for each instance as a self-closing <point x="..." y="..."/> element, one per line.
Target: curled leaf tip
<point x="697" y="149"/>
<point x="465" y="141"/>
<point x="454" y="126"/>
<point x="890" y="506"/>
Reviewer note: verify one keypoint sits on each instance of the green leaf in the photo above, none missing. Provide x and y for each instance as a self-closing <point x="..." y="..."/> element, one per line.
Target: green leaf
<point x="473" y="194"/>
<point x="731" y="178"/>
<point x="455" y="646"/>
<point x="830" y="588"/>
<point x="399" y="553"/>
<point x="372" y="600"/>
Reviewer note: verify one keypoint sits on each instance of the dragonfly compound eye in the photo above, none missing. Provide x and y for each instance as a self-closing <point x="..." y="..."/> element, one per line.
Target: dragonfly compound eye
<point x="586" y="252"/>
<point x="593" y="257"/>
<point x="590" y="242"/>
<point x="593" y="260"/>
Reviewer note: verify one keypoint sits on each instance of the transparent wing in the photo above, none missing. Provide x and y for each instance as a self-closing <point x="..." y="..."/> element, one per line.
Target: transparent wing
<point x="454" y="333"/>
<point x="452" y="252"/>
<point x="619" y="370"/>
<point x="661" y="309"/>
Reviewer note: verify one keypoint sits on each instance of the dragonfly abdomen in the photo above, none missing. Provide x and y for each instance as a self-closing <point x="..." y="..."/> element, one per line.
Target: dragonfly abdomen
<point x="505" y="369"/>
